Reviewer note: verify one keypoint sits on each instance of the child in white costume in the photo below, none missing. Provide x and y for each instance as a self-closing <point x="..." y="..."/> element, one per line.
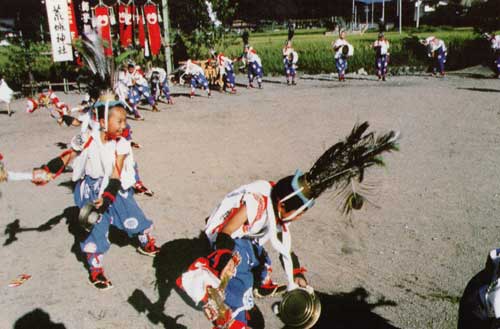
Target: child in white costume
<point x="197" y="75"/>
<point x="261" y="212"/>
<point x="103" y="170"/>
<point x="5" y="94"/>
<point x="342" y="51"/>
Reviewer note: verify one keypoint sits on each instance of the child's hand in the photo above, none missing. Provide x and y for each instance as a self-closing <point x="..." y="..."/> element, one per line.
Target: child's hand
<point x="301" y="282"/>
<point x="98" y="203"/>
<point x="40" y="176"/>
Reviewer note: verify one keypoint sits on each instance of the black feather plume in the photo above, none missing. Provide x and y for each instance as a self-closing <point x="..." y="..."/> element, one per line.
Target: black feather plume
<point x="291" y="31"/>
<point x="99" y="74"/>
<point x="245" y="36"/>
<point x="343" y="165"/>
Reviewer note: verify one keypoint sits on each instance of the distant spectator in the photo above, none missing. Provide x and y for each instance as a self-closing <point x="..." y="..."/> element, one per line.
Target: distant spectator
<point x="5" y="94"/>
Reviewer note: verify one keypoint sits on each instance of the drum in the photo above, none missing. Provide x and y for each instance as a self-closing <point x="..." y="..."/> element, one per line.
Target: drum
<point x="88" y="216"/>
<point x="299" y="309"/>
<point x="345" y="50"/>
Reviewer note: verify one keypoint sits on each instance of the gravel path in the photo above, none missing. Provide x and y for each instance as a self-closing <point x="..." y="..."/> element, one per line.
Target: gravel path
<point x="400" y="264"/>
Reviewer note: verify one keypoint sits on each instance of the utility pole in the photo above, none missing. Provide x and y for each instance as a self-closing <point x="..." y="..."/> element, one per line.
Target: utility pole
<point x="373" y="11"/>
<point x="383" y="10"/>
<point x="353" y="18"/>
<point x="417" y="4"/>
<point x="400" y="15"/>
<point x="166" y="40"/>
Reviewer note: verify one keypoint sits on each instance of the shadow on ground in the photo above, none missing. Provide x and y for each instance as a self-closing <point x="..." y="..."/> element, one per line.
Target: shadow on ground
<point x="37" y="319"/>
<point x="351" y="310"/>
<point x="116" y="236"/>
<point x="173" y="260"/>
<point x="485" y="90"/>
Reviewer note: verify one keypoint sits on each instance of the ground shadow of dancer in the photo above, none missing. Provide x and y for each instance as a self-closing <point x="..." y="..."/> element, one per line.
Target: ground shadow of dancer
<point x="351" y="310"/>
<point x="174" y="258"/>
<point x="37" y="319"/>
<point x="142" y="304"/>
<point x="12" y="229"/>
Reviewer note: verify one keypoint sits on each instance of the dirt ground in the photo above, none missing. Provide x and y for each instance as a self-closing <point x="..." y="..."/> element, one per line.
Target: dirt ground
<point x="400" y="264"/>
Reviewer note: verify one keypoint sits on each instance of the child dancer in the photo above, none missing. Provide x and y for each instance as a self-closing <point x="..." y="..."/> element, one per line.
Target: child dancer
<point x="197" y="75"/>
<point x="436" y="50"/>
<point x="342" y="50"/>
<point x="254" y="66"/>
<point x="263" y="211"/>
<point x="290" y="59"/>
<point x="103" y="168"/>
<point x="381" y="46"/>
<point x="495" y="47"/>
<point x="5" y="94"/>
<point x="157" y="77"/>
<point x="138" y="86"/>
<point x="45" y="99"/>
<point x="226" y="69"/>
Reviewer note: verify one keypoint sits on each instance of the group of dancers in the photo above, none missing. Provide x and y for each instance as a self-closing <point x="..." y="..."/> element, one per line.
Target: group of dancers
<point x="343" y="50"/>
<point x="436" y="51"/>
<point x="238" y="268"/>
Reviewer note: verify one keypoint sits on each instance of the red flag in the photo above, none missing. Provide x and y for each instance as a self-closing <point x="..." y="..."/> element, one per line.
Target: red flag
<point x="102" y="15"/>
<point x="125" y="20"/>
<point x="153" y="28"/>
<point x="140" y="23"/>
<point x="72" y="21"/>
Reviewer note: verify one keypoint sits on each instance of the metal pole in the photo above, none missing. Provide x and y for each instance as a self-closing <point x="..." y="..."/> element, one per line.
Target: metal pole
<point x="418" y="14"/>
<point x="400" y="15"/>
<point x="353" y="18"/>
<point x="373" y="11"/>
<point x="366" y="15"/>
<point x="356" y="16"/>
<point x="166" y="29"/>
<point x="383" y="10"/>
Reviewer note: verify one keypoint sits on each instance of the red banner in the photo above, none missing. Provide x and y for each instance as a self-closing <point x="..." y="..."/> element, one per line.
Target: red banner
<point x="154" y="32"/>
<point x="140" y="26"/>
<point x="72" y="20"/>
<point x="101" y="14"/>
<point x="125" y="20"/>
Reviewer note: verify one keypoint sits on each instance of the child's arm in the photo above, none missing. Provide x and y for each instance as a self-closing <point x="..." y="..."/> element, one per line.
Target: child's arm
<point x="108" y="197"/>
<point x="53" y="168"/>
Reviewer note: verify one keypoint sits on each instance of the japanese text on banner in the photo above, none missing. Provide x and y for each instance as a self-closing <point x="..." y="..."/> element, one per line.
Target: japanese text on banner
<point x="57" y="13"/>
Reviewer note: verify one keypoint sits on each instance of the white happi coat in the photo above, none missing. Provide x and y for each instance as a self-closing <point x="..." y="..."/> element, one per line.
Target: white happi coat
<point x="495" y="42"/>
<point x="5" y="92"/>
<point x="193" y="69"/>
<point x="161" y="72"/>
<point x="97" y="160"/>
<point x="224" y="64"/>
<point x="384" y="46"/>
<point x="136" y="78"/>
<point x="121" y="85"/>
<point x="251" y="56"/>
<point x="434" y="44"/>
<point x="340" y="43"/>
<point x="261" y="222"/>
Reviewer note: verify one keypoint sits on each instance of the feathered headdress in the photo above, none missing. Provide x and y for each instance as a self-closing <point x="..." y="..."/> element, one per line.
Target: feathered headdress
<point x="102" y="77"/>
<point x="245" y="36"/>
<point x="342" y="167"/>
<point x="291" y="31"/>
